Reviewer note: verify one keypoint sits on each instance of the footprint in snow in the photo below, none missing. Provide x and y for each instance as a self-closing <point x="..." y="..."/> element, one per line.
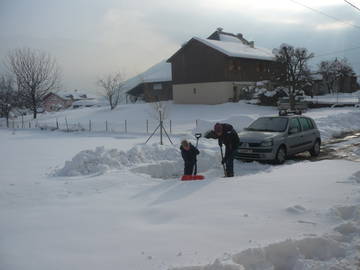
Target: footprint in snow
<point x="296" y="209"/>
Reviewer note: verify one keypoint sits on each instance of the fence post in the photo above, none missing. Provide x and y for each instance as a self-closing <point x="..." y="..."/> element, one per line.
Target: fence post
<point x="170" y="128"/>
<point x="196" y="123"/>
<point x="22" y="121"/>
<point x="67" y="125"/>
<point x="29" y="124"/>
<point x="161" y="128"/>
<point x="106" y="126"/>
<point x="57" y="124"/>
<point x="125" y="126"/>
<point x="89" y="125"/>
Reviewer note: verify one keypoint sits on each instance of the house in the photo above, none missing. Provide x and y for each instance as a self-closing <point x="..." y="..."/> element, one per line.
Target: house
<point x="217" y="69"/>
<point x="155" y="84"/>
<point x="63" y="100"/>
<point x="55" y="102"/>
<point x="345" y="84"/>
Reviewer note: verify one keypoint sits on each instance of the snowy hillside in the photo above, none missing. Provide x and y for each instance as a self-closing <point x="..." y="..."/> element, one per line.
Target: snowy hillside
<point x="105" y="200"/>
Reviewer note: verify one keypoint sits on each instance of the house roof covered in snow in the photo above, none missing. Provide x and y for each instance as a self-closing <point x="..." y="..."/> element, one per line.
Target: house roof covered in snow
<point x="161" y="72"/>
<point x="233" y="45"/>
<point x="73" y="94"/>
<point x="237" y="48"/>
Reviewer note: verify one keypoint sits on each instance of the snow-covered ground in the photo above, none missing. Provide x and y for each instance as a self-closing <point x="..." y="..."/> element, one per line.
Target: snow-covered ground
<point x="108" y="201"/>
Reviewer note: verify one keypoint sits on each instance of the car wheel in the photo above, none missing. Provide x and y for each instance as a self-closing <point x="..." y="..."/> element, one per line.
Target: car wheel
<point x="315" y="150"/>
<point x="280" y="155"/>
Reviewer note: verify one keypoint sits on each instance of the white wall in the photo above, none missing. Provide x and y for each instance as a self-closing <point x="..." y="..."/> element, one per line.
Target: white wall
<point x="203" y="93"/>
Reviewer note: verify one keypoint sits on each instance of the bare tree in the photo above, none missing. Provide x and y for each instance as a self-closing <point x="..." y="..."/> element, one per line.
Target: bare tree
<point x="36" y="74"/>
<point x="8" y="97"/>
<point x="296" y="74"/>
<point x="326" y="69"/>
<point x="111" y="86"/>
<point x="159" y="109"/>
<point x="333" y="72"/>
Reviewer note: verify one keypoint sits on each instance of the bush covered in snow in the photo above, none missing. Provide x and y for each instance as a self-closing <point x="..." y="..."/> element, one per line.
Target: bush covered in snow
<point x="270" y="97"/>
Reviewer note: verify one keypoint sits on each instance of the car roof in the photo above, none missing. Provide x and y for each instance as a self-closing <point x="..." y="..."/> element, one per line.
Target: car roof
<point x="287" y="116"/>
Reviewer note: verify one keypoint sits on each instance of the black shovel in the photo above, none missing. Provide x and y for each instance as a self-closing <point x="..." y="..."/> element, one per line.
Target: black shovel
<point x="197" y="136"/>
<point x="222" y="158"/>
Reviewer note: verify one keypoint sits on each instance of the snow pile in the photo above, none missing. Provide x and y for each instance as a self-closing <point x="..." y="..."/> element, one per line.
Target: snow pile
<point x="346" y="212"/>
<point x="356" y="177"/>
<point x="290" y="254"/>
<point x="308" y="253"/>
<point x="217" y="265"/>
<point x="332" y="251"/>
<point x="333" y="125"/>
<point x="158" y="161"/>
<point x="90" y="162"/>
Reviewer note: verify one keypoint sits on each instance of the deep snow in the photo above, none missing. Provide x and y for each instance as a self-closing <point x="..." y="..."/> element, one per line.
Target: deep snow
<point x="94" y="200"/>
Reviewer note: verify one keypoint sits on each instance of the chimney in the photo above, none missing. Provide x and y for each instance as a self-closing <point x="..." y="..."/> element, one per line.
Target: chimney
<point x="219" y="29"/>
<point x="251" y="44"/>
<point x="240" y="36"/>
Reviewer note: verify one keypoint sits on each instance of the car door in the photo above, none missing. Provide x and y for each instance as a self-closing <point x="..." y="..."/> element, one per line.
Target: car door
<point x="294" y="138"/>
<point x="309" y="133"/>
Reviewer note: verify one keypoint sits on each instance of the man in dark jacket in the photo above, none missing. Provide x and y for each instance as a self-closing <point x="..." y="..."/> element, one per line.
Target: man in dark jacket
<point x="189" y="153"/>
<point x="228" y="136"/>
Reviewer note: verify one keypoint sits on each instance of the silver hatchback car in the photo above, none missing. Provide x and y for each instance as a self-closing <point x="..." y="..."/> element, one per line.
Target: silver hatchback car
<point x="275" y="138"/>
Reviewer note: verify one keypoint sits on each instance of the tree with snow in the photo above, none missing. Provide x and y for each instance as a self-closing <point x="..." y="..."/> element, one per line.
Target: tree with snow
<point x="36" y="74"/>
<point x="296" y="73"/>
<point x="8" y="96"/>
<point x="333" y="71"/>
<point x="111" y="86"/>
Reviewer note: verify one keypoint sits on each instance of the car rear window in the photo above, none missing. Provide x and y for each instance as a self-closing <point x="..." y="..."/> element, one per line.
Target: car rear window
<point x="294" y="123"/>
<point x="306" y="123"/>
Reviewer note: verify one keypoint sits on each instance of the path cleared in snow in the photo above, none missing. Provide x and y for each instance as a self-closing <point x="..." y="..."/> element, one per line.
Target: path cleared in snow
<point x="158" y="161"/>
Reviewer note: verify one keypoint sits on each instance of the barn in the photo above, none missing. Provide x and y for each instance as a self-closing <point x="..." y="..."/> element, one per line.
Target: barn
<point x="219" y="68"/>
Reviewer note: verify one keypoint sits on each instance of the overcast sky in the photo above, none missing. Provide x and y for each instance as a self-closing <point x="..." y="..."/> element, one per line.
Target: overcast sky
<point x="92" y="38"/>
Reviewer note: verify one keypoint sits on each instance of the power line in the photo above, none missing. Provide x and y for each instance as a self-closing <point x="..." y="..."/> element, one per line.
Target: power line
<point x="327" y="15"/>
<point x="351" y="4"/>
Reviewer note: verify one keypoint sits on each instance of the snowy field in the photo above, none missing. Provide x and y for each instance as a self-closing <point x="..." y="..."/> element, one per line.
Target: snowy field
<point x="91" y="201"/>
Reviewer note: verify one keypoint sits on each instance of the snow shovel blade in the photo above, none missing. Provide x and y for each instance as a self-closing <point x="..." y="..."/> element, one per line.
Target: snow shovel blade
<point x="186" y="177"/>
<point x="192" y="177"/>
<point x="198" y="177"/>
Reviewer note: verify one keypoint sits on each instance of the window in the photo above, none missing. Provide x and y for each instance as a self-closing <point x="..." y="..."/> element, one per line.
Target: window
<point x="306" y="123"/>
<point x="157" y="86"/>
<point x="294" y="125"/>
<point x="270" y="124"/>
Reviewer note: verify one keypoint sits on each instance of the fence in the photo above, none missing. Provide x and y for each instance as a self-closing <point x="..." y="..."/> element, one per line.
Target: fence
<point x="334" y="99"/>
<point x="124" y="126"/>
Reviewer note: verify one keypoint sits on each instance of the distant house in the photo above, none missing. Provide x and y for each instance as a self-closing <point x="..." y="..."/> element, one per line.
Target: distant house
<point x="346" y="84"/>
<point x="217" y="69"/>
<point x="63" y="99"/>
<point x="155" y="84"/>
<point x="54" y="102"/>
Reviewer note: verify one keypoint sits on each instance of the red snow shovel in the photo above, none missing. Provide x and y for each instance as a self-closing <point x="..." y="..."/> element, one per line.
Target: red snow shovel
<point x="195" y="176"/>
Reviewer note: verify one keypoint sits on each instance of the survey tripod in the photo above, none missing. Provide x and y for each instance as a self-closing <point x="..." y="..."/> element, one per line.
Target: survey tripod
<point x="162" y="129"/>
